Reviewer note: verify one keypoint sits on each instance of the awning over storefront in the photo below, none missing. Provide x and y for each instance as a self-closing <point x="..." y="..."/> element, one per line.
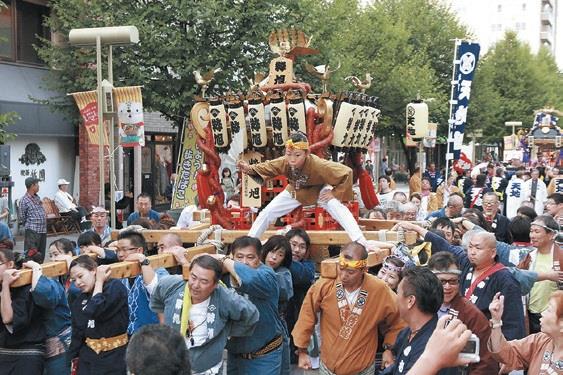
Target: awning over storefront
<point x="18" y="85"/>
<point x="156" y="123"/>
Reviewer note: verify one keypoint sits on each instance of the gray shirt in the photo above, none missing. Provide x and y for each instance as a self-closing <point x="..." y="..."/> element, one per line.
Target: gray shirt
<point x="228" y="314"/>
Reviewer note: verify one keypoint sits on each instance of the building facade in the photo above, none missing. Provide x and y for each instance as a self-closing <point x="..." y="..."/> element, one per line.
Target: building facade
<point x="537" y="22"/>
<point x="45" y="143"/>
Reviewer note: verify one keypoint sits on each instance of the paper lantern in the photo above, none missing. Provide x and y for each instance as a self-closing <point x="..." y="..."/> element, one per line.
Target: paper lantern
<point x="417" y="120"/>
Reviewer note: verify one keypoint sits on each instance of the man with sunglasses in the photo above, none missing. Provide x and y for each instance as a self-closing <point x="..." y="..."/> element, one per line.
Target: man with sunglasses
<point x="482" y="275"/>
<point x="443" y="265"/>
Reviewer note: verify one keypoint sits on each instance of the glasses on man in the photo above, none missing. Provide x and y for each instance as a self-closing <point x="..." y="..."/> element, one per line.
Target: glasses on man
<point x="489" y="203"/>
<point x="452" y="282"/>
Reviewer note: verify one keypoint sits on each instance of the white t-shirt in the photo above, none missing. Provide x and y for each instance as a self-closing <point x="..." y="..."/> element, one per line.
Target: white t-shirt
<point x="186" y="217"/>
<point x="63" y="201"/>
<point x="198" y="317"/>
<point x="385" y="197"/>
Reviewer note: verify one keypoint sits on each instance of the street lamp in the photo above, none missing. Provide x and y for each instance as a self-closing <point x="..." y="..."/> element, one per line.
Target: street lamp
<point x="107" y="36"/>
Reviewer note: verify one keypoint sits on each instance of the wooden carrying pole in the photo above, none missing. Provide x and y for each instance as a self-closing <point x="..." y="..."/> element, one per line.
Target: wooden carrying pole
<point x="319" y="237"/>
<point x="376" y="224"/>
<point x="119" y="270"/>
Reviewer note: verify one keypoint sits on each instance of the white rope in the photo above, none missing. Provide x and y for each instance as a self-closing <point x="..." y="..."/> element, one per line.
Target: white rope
<point x="382" y="235"/>
<point x="401" y="234"/>
<point x="203" y="238"/>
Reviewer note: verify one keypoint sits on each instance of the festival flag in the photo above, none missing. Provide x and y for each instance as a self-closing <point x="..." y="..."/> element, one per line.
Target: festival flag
<point x="129" y="101"/>
<point x="88" y="107"/>
<point x="190" y="160"/>
<point x="465" y="64"/>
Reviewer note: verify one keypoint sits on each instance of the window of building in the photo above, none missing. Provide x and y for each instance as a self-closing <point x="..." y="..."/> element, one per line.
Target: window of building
<point x="30" y="25"/>
<point x="524" y="7"/>
<point x="21" y="26"/>
<point x="499" y="8"/>
<point x="6" y="30"/>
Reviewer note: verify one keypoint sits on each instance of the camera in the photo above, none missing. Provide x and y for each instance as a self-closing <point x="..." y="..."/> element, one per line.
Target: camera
<point x="471" y="349"/>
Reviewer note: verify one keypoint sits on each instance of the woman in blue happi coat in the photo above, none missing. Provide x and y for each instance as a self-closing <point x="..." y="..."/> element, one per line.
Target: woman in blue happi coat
<point x="302" y="270"/>
<point x="276" y="253"/>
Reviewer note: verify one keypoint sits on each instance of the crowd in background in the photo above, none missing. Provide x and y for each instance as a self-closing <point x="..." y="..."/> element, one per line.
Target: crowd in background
<point x="485" y="263"/>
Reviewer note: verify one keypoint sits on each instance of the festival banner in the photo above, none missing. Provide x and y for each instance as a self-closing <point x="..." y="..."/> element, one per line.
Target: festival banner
<point x="465" y="64"/>
<point x="190" y="159"/>
<point x="129" y="102"/>
<point x="88" y="107"/>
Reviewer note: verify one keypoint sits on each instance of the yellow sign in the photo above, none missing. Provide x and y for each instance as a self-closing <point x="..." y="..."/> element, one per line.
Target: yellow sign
<point x="281" y="71"/>
<point x="189" y="162"/>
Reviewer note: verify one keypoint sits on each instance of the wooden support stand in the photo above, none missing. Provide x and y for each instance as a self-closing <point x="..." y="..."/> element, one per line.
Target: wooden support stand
<point x="119" y="270"/>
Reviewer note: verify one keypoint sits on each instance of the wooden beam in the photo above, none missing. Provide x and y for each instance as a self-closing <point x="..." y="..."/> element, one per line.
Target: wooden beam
<point x="51" y="269"/>
<point x="201" y="226"/>
<point x="376" y="224"/>
<point x="318" y="237"/>
<point x="329" y="266"/>
<point x="123" y="270"/>
<point x="118" y="270"/>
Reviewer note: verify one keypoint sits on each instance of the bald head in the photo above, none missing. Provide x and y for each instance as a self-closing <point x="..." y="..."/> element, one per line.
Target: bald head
<point x="488" y="239"/>
<point x="454" y="206"/>
<point x="482" y="250"/>
<point x="168" y="241"/>
<point x="354" y="251"/>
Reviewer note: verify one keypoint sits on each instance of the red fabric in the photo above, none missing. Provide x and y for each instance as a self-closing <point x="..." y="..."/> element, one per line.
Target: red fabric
<point x="366" y="189"/>
<point x="483" y="276"/>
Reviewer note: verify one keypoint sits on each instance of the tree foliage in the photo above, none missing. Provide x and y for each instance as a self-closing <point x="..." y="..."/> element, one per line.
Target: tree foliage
<point x="406" y="45"/>
<point x="176" y="38"/>
<point x="7" y="119"/>
<point x="510" y="84"/>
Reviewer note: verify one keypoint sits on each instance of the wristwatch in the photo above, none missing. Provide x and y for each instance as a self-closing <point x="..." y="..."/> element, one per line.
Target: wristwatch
<point x="145" y="262"/>
<point x="387" y="347"/>
<point x="495" y="324"/>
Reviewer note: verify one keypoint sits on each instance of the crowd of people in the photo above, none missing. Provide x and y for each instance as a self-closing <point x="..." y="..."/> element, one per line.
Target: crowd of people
<point x="482" y="271"/>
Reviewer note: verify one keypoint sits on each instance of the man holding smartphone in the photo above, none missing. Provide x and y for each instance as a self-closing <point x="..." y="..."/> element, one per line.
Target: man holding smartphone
<point x="444" y="266"/>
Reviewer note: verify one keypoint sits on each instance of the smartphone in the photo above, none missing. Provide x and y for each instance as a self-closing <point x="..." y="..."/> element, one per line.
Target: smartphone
<point x="471" y="350"/>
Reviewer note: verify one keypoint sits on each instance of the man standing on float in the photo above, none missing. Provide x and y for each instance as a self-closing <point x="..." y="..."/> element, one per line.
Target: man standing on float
<point x="311" y="180"/>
